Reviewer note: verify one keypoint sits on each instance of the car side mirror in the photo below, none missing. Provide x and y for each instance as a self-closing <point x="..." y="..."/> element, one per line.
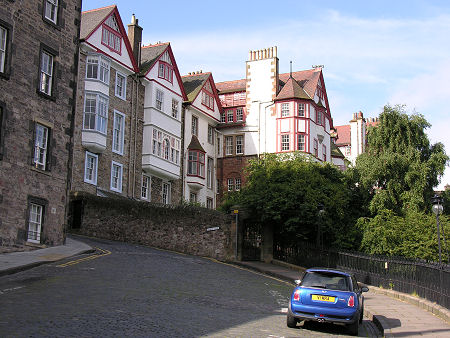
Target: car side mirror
<point x="365" y="289"/>
<point x="297" y="282"/>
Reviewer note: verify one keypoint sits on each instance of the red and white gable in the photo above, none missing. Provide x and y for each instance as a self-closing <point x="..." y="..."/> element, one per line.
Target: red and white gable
<point x="207" y="100"/>
<point x="110" y="38"/>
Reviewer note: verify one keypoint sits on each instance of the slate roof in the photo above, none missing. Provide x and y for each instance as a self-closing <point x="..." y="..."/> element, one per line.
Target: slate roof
<point x="91" y="19"/>
<point x="193" y="84"/>
<point x="335" y="151"/>
<point x="195" y="144"/>
<point x="149" y="55"/>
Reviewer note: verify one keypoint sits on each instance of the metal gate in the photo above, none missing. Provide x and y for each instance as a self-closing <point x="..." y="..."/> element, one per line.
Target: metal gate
<point x="251" y="242"/>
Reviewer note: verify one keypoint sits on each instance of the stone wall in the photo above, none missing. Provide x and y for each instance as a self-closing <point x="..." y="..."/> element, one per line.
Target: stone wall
<point x="178" y="228"/>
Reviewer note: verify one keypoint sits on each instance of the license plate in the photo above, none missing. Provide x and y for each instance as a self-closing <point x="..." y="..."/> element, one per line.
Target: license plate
<point x="321" y="298"/>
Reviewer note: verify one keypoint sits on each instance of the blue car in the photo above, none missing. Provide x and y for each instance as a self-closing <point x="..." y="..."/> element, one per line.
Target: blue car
<point x="327" y="295"/>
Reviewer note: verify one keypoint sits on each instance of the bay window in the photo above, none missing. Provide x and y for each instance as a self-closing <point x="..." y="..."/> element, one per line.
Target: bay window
<point x="196" y="163"/>
<point x="284" y="142"/>
<point x="97" y="68"/>
<point x="95" y="112"/>
<point x="301" y="142"/>
<point x="284" y="109"/>
<point x="301" y="109"/>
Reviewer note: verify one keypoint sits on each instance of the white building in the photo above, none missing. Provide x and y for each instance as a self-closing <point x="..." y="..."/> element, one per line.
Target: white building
<point x="201" y="116"/>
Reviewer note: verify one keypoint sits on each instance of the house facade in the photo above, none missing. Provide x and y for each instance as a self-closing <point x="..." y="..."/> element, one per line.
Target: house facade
<point x="201" y="115"/>
<point x="38" y="51"/>
<point x="108" y="127"/>
<point x="268" y="112"/>
<point x="162" y="132"/>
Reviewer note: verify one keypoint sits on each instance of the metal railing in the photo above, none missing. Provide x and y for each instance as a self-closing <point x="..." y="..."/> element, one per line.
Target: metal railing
<point x="424" y="279"/>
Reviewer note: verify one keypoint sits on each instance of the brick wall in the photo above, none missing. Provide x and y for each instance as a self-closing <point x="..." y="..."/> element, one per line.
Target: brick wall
<point x="23" y="106"/>
<point x="179" y="228"/>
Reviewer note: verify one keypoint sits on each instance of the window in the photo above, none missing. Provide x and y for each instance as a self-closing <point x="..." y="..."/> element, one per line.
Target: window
<point x="51" y="10"/>
<point x="95" y="112"/>
<point x="207" y="100"/>
<point x="239" y="114"/>
<point x="116" y="176"/>
<point x="97" y="68"/>
<point x="193" y="197"/>
<point x="223" y="118"/>
<point x="35" y="220"/>
<point x="209" y="203"/>
<point x="111" y="37"/>
<point x="40" y="146"/>
<point x="174" y="108"/>
<point x="194" y="129"/>
<point x="237" y="184"/>
<point x="3" y="40"/>
<point x="239" y="144"/>
<point x="284" y="109"/>
<point x="319" y="118"/>
<point x="166" y="149"/>
<point x="145" y="189"/>
<point x="229" y="145"/>
<point x="348" y="151"/>
<point x="284" y="142"/>
<point x="230" y="115"/>
<point x="196" y="163"/>
<point x="90" y="168"/>
<point x="209" y="172"/>
<point x="166" y="193"/>
<point x="230" y="184"/>
<point x="316" y="150"/>
<point x="166" y="146"/>
<point x="121" y="86"/>
<point x="301" y="142"/>
<point x="210" y="134"/>
<point x="217" y="186"/>
<point x="218" y="145"/>
<point x="159" y="99"/>
<point x="301" y="109"/>
<point x="46" y="73"/>
<point x="118" y="133"/>
<point x="324" y="153"/>
<point x="165" y="71"/>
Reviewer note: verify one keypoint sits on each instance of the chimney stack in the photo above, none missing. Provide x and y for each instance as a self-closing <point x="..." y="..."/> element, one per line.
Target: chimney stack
<point x="135" y="37"/>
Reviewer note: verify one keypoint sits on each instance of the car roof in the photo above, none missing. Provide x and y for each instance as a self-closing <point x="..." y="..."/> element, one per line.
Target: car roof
<point x="336" y="271"/>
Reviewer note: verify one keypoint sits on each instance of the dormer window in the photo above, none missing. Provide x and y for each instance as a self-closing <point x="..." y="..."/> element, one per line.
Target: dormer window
<point x="207" y="99"/>
<point x="165" y="68"/>
<point x="111" y="36"/>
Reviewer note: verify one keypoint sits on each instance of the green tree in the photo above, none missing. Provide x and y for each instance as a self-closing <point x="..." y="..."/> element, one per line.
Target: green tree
<point x="286" y="191"/>
<point x="400" y="167"/>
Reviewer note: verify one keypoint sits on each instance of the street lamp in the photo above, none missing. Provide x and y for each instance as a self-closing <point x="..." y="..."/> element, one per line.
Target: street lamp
<point x="436" y="201"/>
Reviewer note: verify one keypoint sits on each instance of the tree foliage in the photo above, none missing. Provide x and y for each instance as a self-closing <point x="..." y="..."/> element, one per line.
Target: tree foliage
<point x="400" y="167"/>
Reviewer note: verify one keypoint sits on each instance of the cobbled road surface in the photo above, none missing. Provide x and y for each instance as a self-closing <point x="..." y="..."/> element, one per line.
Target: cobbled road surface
<point x="125" y="290"/>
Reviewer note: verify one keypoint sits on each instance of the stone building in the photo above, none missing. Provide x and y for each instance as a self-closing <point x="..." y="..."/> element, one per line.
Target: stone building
<point x="38" y="51"/>
<point x="108" y="121"/>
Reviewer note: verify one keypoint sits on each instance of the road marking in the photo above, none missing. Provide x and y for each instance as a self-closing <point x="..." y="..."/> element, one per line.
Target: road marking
<point x="104" y="253"/>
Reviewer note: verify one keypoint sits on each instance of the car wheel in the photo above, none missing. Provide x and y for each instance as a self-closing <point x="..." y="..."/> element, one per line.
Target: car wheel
<point x="291" y="321"/>
<point x="353" y="328"/>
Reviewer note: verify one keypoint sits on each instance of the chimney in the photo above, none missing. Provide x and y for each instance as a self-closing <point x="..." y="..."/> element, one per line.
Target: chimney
<point x="135" y="37"/>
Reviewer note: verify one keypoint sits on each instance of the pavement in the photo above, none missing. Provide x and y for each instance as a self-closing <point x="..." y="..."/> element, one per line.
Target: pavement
<point x="394" y="313"/>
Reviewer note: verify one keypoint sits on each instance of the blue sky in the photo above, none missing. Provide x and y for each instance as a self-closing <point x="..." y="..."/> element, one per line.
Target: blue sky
<point x="374" y="52"/>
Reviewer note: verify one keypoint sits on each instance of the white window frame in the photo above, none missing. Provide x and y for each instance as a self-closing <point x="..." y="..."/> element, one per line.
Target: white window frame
<point x="102" y="67"/>
<point x="194" y="125"/>
<point x="229" y="146"/>
<point x="210" y="134"/>
<point x="230" y="184"/>
<point x="239" y="144"/>
<point x="193" y="196"/>
<point x="118" y="136"/>
<point x="223" y="118"/>
<point x="41" y="134"/>
<point x="3" y="41"/>
<point x="209" y="203"/>
<point x="46" y="73"/>
<point x="303" y="138"/>
<point x="36" y="212"/>
<point x="175" y="105"/>
<point x="230" y="113"/>
<point x="51" y="10"/>
<point x="285" y="142"/>
<point x="100" y="113"/>
<point x="284" y="109"/>
<point x="121" y="86"/>
<point x="239" y="114"/>
<point x="93" y="156"/>
<point x="209" y="172"/>
<point x="146" y="187"/>
<point x="159" y="99"/>
<point x="166" y="193"/>
<point x="116" y="180"/>
<point x="237" y="184"/>
<point x="301" y="110"/>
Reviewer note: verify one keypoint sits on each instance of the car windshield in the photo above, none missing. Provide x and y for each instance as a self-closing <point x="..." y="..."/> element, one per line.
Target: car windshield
<point x="325" y="280"/>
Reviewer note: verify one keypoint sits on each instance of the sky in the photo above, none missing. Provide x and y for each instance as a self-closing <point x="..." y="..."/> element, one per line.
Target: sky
<point x="374" y="52"/>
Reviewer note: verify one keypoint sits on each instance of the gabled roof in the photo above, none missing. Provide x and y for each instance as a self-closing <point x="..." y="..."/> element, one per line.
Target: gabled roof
<point x="195" y="144"/>
<point x="335" y="151"/>
<point x="343" y="135"/>
<point x="93" y="19"/>
<point x="193" y="84"/>
<point x="152" y="53"/>
<point x="292" y="90"/>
